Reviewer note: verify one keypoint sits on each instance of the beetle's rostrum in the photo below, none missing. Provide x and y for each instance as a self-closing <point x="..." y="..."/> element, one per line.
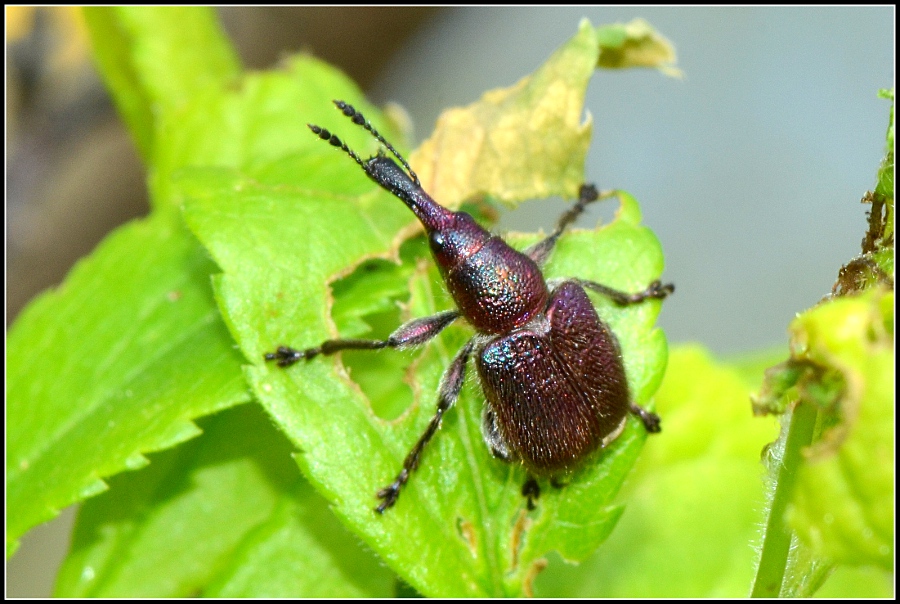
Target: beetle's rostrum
<point x="551" y="370"/>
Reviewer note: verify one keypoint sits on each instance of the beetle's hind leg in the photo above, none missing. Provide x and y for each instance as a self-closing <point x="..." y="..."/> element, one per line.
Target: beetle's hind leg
<point x="651" y="420"/>
<point x="531" y="491"/>
<point x="557" y="483"/>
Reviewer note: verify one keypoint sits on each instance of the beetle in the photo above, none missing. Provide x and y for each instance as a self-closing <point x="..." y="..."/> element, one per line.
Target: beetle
<point x="551" y="370"/>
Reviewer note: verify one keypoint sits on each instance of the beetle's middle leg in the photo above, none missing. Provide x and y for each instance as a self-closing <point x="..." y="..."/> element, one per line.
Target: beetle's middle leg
<point x="657" y="290"/>
<point x="451" y="385"/>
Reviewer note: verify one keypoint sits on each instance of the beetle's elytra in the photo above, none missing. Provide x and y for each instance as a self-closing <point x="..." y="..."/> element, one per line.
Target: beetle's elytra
<point x="550" y="368"/>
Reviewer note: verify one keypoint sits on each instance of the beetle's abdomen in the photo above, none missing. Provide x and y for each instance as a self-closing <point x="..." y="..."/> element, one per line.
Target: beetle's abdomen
<point x="556" y="395"/>
<point x="497" y="288"/>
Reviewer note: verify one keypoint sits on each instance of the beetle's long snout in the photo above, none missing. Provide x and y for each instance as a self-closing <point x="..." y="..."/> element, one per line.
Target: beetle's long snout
<point x="392" y="177"/>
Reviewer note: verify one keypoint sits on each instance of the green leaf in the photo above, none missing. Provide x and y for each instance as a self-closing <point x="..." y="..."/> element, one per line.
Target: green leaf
<point x="115" y="363"/>
<point x="858" y="582"/>
<point x="875" y="266"/>
<point x="132" y="347"/>
<point x="120" y="359"/>
<point x="885" y="184"/>
<point x="154" y="59"/>
<point x="834" y="468"/>
<point x="843" y="503"/>
<point x="283" y="230"/>
<point x="226" y="515"/>
<point x="257" y="127"/>
<point x="881" y="219"/>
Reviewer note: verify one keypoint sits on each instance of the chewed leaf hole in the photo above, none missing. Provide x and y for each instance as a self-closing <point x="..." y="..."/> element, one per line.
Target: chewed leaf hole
<point x="367" y="305"/>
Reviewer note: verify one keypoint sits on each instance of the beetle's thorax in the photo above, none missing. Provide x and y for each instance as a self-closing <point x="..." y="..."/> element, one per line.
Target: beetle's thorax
<point x="496" y="287"/>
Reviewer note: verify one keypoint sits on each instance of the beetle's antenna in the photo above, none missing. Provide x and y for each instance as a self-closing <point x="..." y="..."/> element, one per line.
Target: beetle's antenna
<point x="334" y="141"/>
<point x="357" y="118"/>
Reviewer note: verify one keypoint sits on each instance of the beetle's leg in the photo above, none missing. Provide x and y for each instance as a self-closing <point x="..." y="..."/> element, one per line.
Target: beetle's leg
<point x="413" y="333"/>
<point x="540" y="251"/>
<point x="531" y="490"/>
<point x="655" y="290"/>
<point x="651" y="420"/>
<point x="493" y="438"/>
<point x="451" y="384"/>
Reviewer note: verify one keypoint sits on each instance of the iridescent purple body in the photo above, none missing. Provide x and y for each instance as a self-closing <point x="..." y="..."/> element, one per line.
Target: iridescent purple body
<point x="550" y="368"/>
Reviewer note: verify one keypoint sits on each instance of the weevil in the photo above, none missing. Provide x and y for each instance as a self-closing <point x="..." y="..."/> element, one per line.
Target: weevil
<point x="551" y="370"/>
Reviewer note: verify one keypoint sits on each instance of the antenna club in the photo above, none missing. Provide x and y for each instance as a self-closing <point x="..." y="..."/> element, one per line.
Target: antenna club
<point x="325" y="135"/>
<point x="351" y="112"/>
<point x="334" y="141"/>
<point x="357" y="118"/>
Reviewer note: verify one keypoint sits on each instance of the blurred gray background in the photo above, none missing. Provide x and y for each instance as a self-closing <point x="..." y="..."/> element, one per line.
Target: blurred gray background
<point x="749" y="170"/>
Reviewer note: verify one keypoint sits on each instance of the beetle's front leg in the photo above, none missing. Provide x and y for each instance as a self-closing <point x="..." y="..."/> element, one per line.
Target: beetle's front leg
<point x="413" y="333"/>
<point x="540" y="251"/>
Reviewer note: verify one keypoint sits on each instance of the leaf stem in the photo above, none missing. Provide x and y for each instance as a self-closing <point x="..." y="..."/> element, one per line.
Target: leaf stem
<point x="776" y="546"/>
